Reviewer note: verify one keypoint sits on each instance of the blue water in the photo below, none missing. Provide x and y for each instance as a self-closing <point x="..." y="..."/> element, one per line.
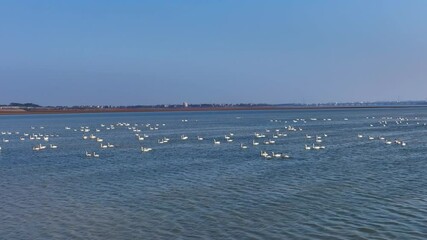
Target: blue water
<point x="355" y="188"/>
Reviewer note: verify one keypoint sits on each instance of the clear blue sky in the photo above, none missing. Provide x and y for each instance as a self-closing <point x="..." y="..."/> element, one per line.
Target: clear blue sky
<point x="159" y="52"/>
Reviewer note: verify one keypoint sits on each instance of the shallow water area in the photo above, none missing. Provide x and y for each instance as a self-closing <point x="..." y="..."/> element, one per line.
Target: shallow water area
<point x="355" y="187"/>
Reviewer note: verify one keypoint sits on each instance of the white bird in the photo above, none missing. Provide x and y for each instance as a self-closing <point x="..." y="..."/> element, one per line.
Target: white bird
<point x="315" y="147"/>
<point x="216" y="142"/>
<point x="243" y="146"/>
<point x="144" y="149"/>
<point x="264" y="154"/>
<point x="53" y="146"/>
<point x="276" y="155"/>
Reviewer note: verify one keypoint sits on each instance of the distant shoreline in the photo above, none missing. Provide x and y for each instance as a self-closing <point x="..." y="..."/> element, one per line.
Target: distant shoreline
<point x="190" y="109"/>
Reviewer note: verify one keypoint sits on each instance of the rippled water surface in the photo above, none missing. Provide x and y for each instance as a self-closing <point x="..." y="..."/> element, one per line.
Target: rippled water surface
<point x="355" y="188"/>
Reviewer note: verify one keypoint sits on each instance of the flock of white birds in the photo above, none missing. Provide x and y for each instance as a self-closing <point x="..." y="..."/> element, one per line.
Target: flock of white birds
<point x="259" y="138"/>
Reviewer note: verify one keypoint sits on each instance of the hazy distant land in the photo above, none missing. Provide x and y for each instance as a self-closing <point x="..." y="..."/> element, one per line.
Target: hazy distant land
<point x="31" y="108"/>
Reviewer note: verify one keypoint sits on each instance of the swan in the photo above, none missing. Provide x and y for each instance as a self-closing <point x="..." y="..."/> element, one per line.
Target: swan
<point x="199" y="138"/>
<point x="316" y="147"/>
<point x="216" y="142"/>
<point x="143" y="149"/>
<point x="276" y="155"/>
<point x="53" y="146"/>
<point x="95" y="154"/>
<point x="99" y="139"/>
<point x="255" y="143"/>
<point x="103" y="146"/>
<point x="263" y="154"/>
<point x="110" y="145"/>
<point x="307" y="147"/>
<point x="183" y="137"/>
<point x="258" y="135"/>
<point x="243" y="146"/>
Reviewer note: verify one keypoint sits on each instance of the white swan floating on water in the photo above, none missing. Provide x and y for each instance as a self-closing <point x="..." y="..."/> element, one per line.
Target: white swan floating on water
<point x="144" y="149"/>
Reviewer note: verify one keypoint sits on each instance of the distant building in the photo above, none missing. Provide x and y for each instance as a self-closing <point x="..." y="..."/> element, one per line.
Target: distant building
<point x="185" y="104"/>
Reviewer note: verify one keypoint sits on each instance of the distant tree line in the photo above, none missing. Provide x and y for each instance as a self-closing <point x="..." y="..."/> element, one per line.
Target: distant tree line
<point x="22" y="105"/>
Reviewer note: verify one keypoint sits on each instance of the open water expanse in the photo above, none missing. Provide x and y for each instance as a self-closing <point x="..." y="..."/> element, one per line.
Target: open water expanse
<point x="362" y="185"/>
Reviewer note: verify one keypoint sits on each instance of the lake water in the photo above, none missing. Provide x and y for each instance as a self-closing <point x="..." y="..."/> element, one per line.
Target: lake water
<point x="355" y="188"/>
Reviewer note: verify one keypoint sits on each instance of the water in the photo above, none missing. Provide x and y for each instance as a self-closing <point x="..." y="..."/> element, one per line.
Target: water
<point x="356" y="188"/>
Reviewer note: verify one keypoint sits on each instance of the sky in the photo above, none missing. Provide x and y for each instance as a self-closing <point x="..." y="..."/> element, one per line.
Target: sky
<point x="135" y="52"/>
